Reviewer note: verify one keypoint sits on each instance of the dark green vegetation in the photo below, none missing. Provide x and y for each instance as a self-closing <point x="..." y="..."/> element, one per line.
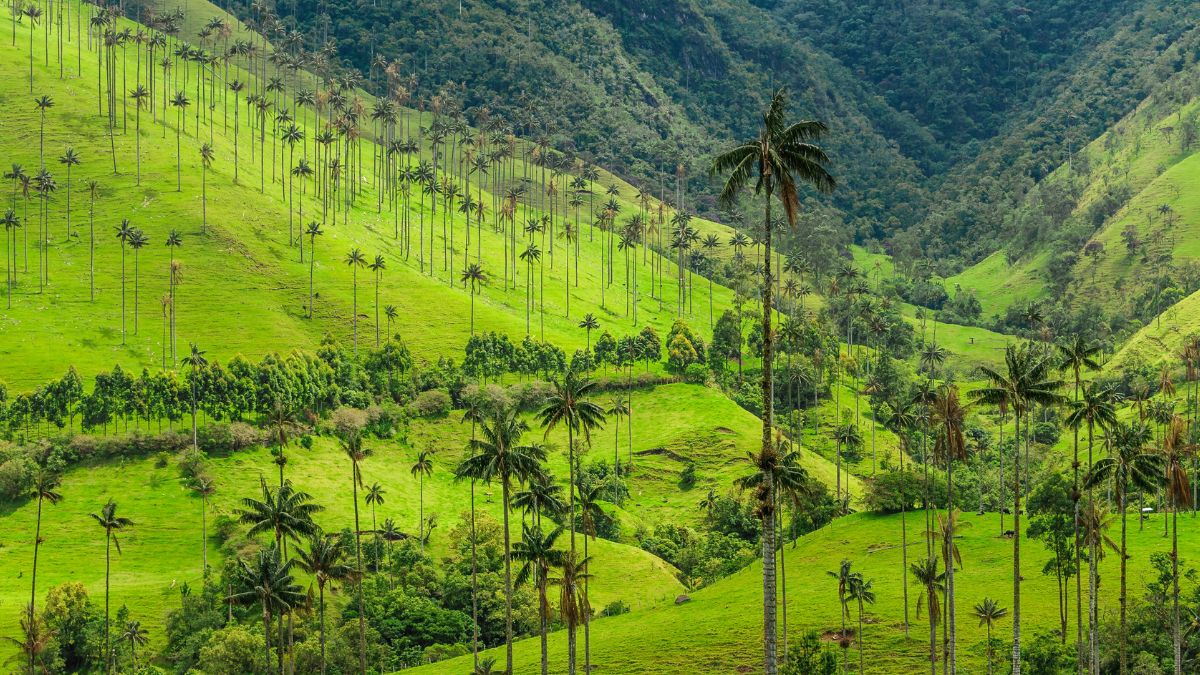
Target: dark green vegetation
<point x="437" y="389"/>
<point x="943" y="114"/>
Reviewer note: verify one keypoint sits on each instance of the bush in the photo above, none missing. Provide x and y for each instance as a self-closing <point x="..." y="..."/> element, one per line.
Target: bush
<point x="348" y="421"/>
<point x="696" y="373"/>
<point x="431" y="403"/>
<point x="531" y="395"/>
<point x="161" y="460"/>
<point x="687" y="477"/>
<point x="891" y="491"/>
<point x="615" y="608"/>
<point x="387" y="421"/>
<point x="222" y="437"/>
<point x="16" y="476"/>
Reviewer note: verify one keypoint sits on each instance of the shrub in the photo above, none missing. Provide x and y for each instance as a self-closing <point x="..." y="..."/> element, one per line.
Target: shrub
<point x="161" y="460"/>
<point x="386" y="421"/>
<point x="530" y="395"/>
<point x="16" y="476"/>
<point x="431" y="403"/>
<point x="890" y="491"/>
<point x="221" y="437"/>
<point x="306" y="441"/>
<point x="348" y="421"/>
<point x="687" y="477"/>
<point x="696" y="373"/>
<point x="615" y="608"/>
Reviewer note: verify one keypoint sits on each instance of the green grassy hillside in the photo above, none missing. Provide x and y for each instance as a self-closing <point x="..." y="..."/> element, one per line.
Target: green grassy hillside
<point x="244" y="289"/>
<point x="713" y="631"/>
<point x="672" y="425"/>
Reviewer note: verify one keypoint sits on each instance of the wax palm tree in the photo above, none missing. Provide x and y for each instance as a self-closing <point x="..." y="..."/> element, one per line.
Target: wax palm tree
<point x="136" y="636"/>
<point x="420" y="469"/>
<point x="1075" y="356"/>
<point x="1026" y="381"/>
<point x="391" y="314"/>
<point x="844" y="575"/>
<point x="195" y="361"/>
<point x="312" y="231"/>
<point x="949" y="417"/>
<point x="540" y="496"/>
<point x="356" y="452"/>
<point x="325" y="561"/>
<point x="933" y="582"/>
<point x="137" y="241"/>
<point x="141" y="97"/>
<point x="204" y="487"/>
<point x="573" y="606"/>
<point x="124" y="235"/>
<point x="618" y="407"/>
<point x="377" y="266"/>
<point x="180" y="102"/>
<point x="1095" y="521"/>
<point x="474" y="276"/>
<point x="112" y="525"/>
<point x="267" y="580"/>
<point x="69" y="159"/>
<point x="589" y="324"/>
<point x="1177" y="453"/>
<point x="206" y="160"/>
<point x="590" y="514"/>
<point x="532" y="254"/>
<point x="376" y="496"/>
<point x="862" y="591"/>
<point x="44" y="488"/>
<point x="285" y="513"/>
<point x="536" y="550"/>
<point x="777" y="160"/>
<point x="34" y="14"/>
<point x="569" y="407"/>
<point x="11" y="224"/>
<point x="44" y="104"/>
<point x="989" y="612"/>
<point x="1130" y="466"/>
<point x="356" y="260"/>
<point x="499" y="455"/>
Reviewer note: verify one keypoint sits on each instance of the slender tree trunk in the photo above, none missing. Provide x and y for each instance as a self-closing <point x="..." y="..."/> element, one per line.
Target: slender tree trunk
<point x="362" y="626"/>
<point x="508" y="620"/>
<point x="768" y="537"/>
<point x="1016" y="646"/>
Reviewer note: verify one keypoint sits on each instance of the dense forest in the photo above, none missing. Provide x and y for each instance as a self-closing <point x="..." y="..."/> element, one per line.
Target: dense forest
<point x="944" y="113"/>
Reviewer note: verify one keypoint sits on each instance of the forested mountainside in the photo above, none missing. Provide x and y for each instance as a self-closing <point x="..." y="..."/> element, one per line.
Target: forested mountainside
<point x="942" y="115"/>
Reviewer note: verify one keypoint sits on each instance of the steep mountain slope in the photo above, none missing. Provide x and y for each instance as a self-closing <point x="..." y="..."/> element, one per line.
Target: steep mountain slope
<point x="244" y="288"/>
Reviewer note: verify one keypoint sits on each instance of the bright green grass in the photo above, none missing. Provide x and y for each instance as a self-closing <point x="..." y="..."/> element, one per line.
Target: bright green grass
<point x="1163" y="339"/>
<point x="672" y="425"/>
<point x="244" y="288"/>
<point x="717" y="630"/>
<point x="999" y="285"/>
<point x="969" y="346"/>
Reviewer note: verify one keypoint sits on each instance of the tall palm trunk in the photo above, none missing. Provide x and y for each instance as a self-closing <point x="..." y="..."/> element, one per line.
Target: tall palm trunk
<point x="1016" y="647"/>
<point x="1123" y="634"/>
<point x="508" y="620"/>
<point x="362" y="627"/>
<point x="37" y="540"/>
<point x="768" y="538"/>
<point x="107" y="571"/>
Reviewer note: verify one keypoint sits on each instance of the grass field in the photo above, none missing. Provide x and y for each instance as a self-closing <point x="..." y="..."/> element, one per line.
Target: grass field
<point x="244" y="288"/>
<point x="672" y="425"/>
<point x="713" y="632"/>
